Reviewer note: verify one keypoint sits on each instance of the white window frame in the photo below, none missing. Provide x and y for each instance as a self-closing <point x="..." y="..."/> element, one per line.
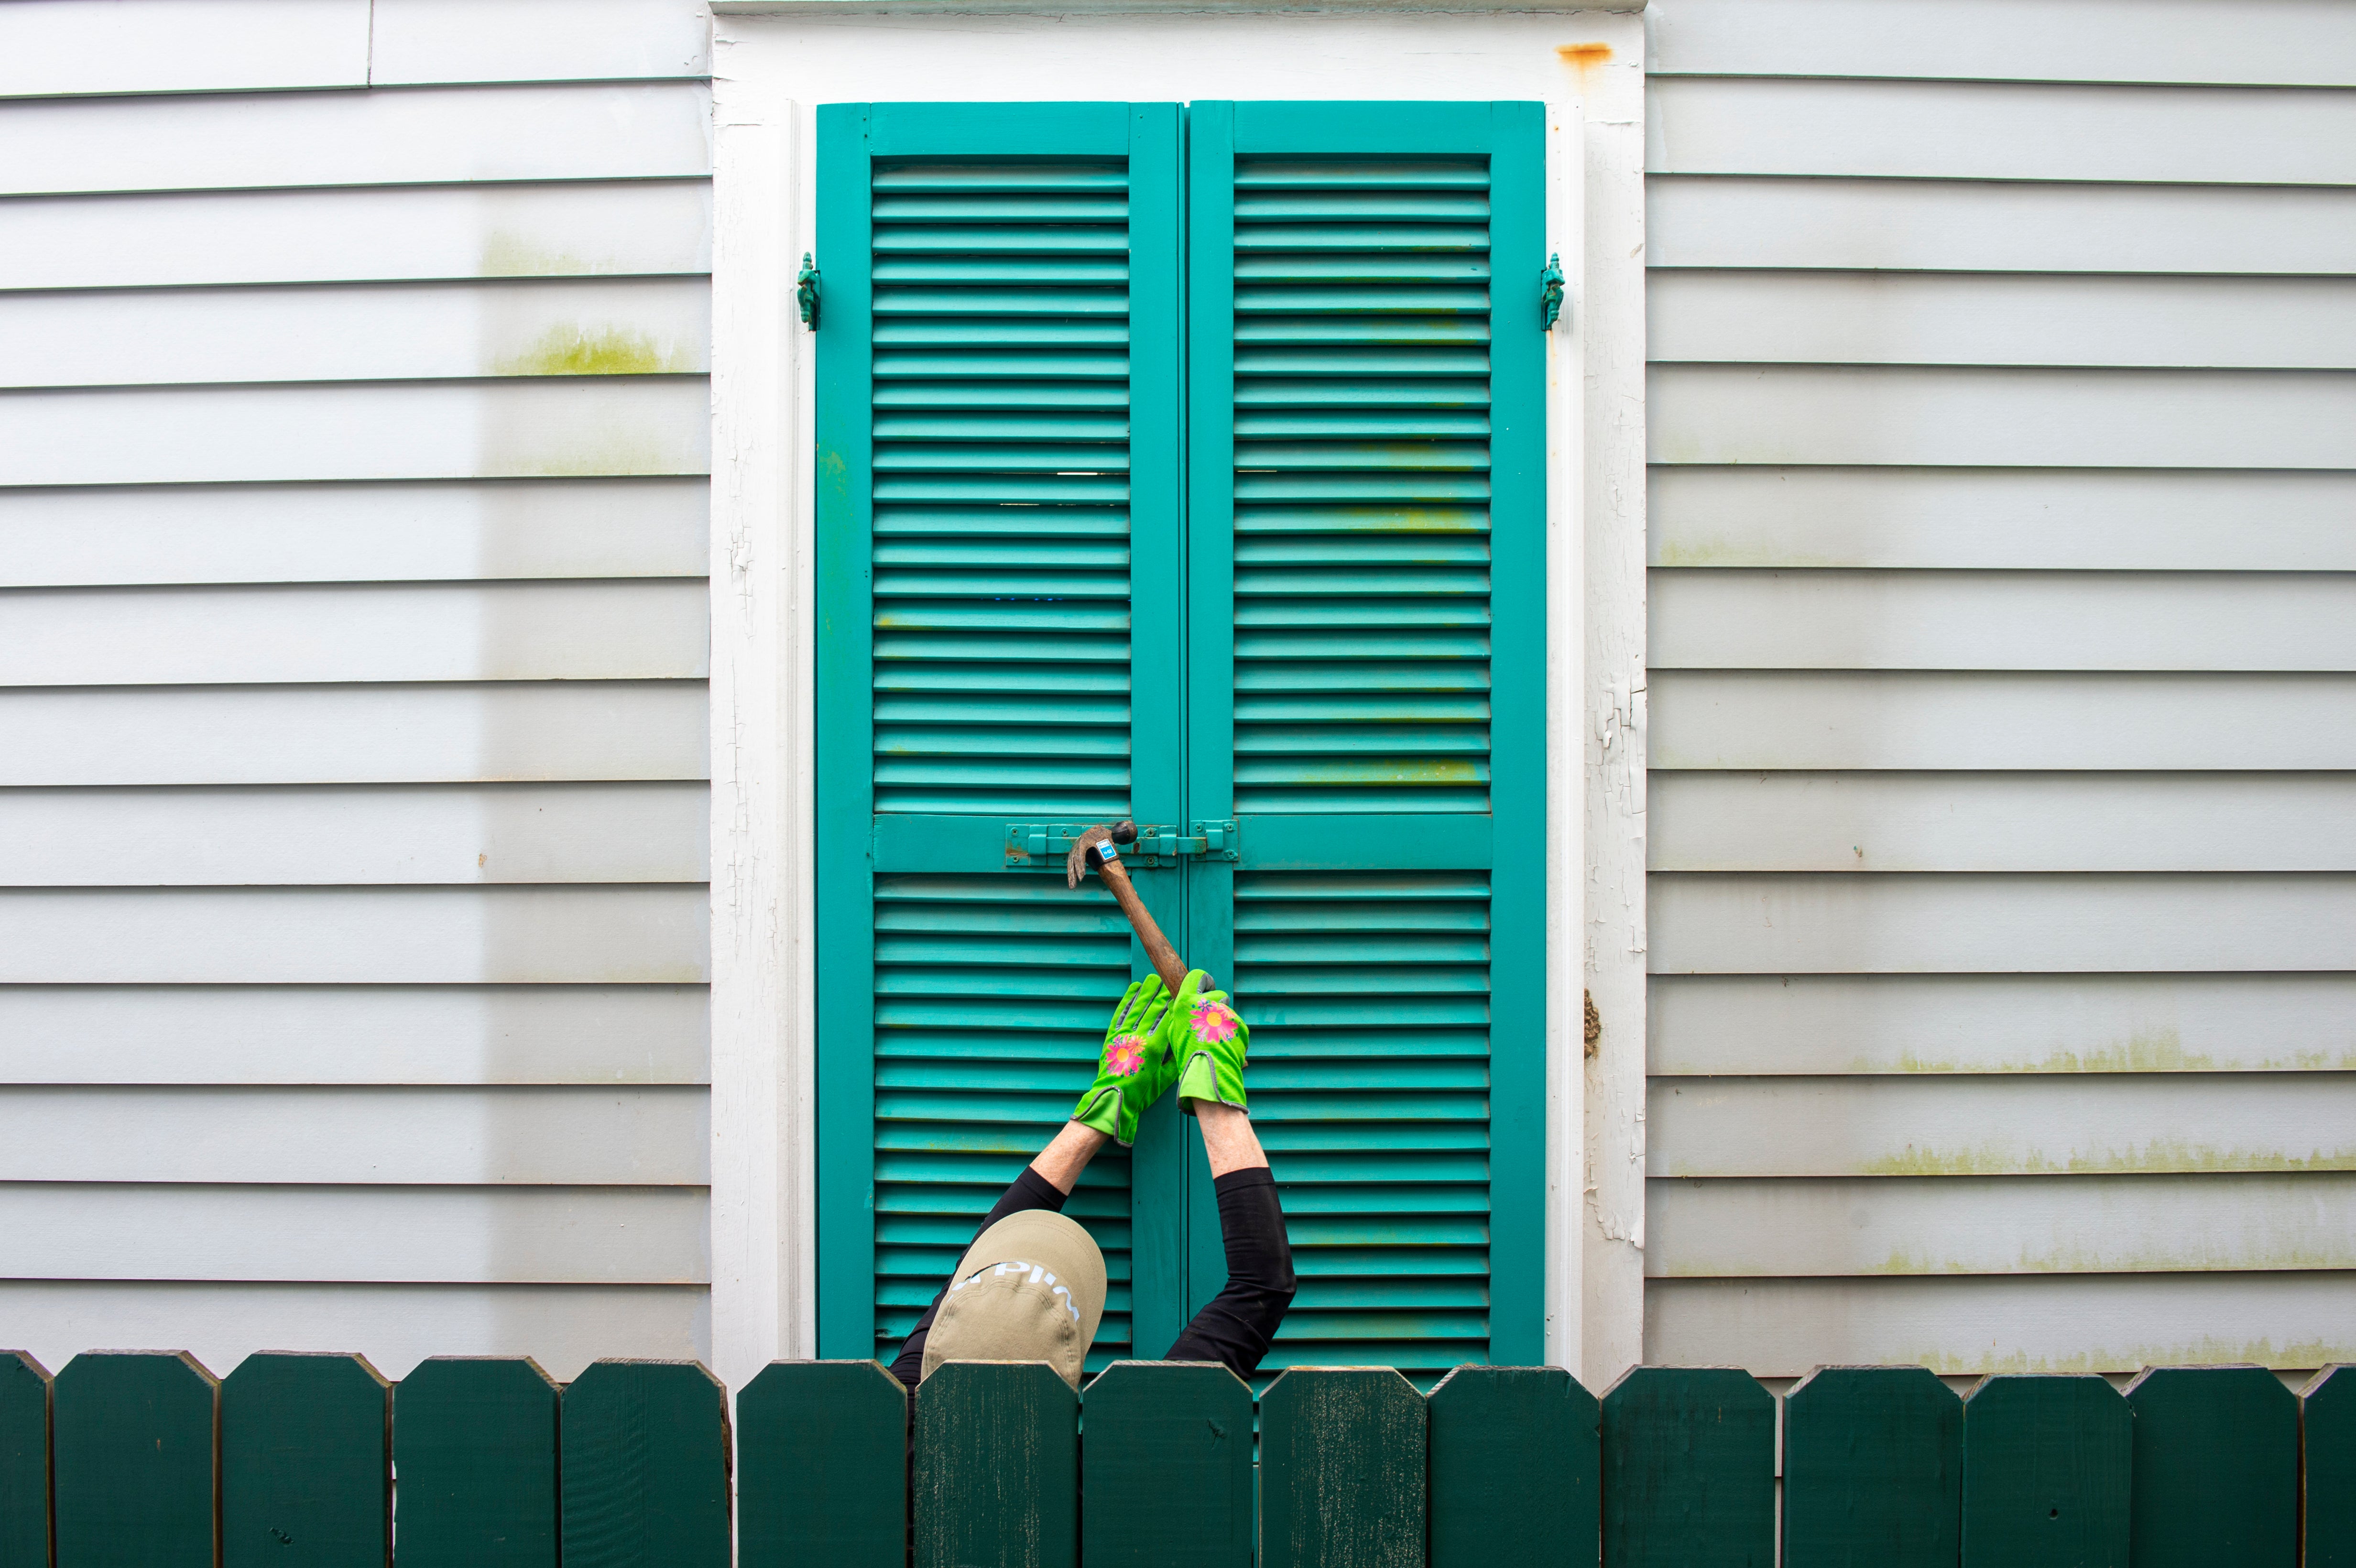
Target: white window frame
<point x="773" y="60"/>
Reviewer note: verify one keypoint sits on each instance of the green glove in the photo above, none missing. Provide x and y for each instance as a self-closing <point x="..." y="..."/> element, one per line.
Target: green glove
<point x="1209" y="1042"/>
<point x="1135" y="1066"/>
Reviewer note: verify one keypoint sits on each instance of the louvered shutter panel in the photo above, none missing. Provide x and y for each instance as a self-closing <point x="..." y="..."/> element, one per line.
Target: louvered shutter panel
<point x="998" y="491"/>
<point x="1367" y="471"/>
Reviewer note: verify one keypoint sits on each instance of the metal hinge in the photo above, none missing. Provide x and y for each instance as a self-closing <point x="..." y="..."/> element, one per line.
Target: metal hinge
<point x="1550" y="292"/>
<point x="806" y="293"/>
<point x="1044" y="845"/>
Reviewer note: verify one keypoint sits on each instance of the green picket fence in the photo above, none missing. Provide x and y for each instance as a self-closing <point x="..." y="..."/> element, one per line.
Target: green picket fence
<point x="146" y="1460"/>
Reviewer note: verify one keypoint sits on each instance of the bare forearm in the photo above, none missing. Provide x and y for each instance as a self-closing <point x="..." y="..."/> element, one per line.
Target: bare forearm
<point x="1227" y="1138"/>
<point x="1067" y="1155"/>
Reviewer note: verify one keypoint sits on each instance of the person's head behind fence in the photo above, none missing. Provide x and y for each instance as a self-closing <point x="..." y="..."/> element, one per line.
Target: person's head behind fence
<point x="1030" y="1288"/>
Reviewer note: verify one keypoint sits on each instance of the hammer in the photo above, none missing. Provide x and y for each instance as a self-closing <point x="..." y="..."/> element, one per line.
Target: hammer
<point x="1097" y="847"/>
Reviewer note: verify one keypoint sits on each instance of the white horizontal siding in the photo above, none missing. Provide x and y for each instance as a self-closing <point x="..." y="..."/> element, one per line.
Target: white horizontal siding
<point x="385" y="332"/>
<point x="634" y="629"/>
<point x="354" y="734"/>
<point x="352" y="635"/>
<point x="564" y="1328"/>
<point x="353" y="532"/>
<point x="2020" y="518"/>
<point x="2043" y="1323"/>
<point x="357" y="1035"/>
<point x="459" y="1235"/>
<point x="1995" y="318"/>
<point x="354" y="834"/>
<point x="523" y="427"/>
<point x="1875" y="1024"/>
<point x="2263" y="42"/>
<point x="391" y="136"/>
<point x="642" y="228"/>
<point x="2002" y="417"/>
<point x="61" y="46"/>
<point x="1916" y="129"/>
<point x="533" y="1136"/>
<point x="537" y="40"/>
<point x="2001" y="1124"/>
<point x="1985" y="226"/>
<point x="2001" y="822"/>
<point x="2003" y="802"/>
<point x="1727" y="619"/>
<point x="1982" y="1225"/>
<point x="2041" y="720"/>
<point x="603" y="933"/>
<point x="2054" y="923"/>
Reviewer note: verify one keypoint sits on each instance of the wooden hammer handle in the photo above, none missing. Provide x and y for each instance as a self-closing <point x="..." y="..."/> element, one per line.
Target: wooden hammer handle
<point x="1158" y="951"/>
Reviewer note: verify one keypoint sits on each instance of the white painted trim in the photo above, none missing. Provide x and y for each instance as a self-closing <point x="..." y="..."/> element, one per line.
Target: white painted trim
<point x="1614" y="1266"/>
<point x="1565" y="1118"/>
<point x="762" y="1231"/>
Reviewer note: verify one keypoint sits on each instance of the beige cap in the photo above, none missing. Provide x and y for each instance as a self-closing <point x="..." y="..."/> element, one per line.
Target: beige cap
<point x="1030" y="1288"/>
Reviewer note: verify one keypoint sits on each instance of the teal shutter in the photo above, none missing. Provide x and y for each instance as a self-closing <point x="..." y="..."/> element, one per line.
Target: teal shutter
<point x="1366" y="467"/>
<point x="998" y="470"/>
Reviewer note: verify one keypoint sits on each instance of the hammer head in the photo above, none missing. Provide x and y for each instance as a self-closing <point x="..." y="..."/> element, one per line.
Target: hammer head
<point x="1076" y="864"/>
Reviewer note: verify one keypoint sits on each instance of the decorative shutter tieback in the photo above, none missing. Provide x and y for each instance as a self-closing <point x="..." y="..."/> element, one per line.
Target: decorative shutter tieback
<point x="806" y="293"/>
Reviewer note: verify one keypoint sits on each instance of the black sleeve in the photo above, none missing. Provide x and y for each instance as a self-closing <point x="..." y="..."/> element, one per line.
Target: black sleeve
<point x="1236" y="1326"/>
<point x="1031" y="1191"/>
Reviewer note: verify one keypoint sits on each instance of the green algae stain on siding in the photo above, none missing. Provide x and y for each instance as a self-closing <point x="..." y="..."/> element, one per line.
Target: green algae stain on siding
<point x="1999" y="1159"/>
<point x="596" y="351"/>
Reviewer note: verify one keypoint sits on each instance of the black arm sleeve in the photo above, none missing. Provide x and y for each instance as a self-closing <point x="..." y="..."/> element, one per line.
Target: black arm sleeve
<point x="1031" y="1191"/>
<point x="1236" y="1326"/>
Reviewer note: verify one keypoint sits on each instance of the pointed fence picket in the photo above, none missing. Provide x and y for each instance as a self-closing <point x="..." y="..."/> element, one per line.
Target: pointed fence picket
<point x="143" y="1460"/>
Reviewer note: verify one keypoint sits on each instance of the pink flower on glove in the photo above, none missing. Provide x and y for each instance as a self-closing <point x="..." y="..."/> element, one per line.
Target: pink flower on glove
<point x="1125" y="1055"/>
<point x="1214" y="1021"/>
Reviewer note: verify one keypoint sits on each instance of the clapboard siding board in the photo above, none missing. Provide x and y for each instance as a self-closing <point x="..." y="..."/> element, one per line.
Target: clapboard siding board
<point x="537" y="40"/>
<point x="532" y="1137"/>
<point x="636" y="629"/>
<point x="2261" y="42"/>
<point x="2002" y="417"/>
<point x="2009" y="1125"/>
<point x="1980" y="1225"/>
<point x="1992" y="318"/>
<point x="548" y="935"/>
<point x="55" y="47"/>
<point x="2004" y="519"/>
<point x="336" y="835"/>
<point x="2050" y="1323"/>
<point x="1999" y="822"/>
<point x="523" y="427"/>
<point x="2052" y="923"/>
<point x="564" y="1328"/>
<point x="1833" y="1024"/>
<point x="433" y="531"/>
<point x="1860" y="620"/>
<point x="355" y="1034"/>
<point x="1996" y="721"/>
<point x="387" y="136"/>
<point x="1985" y="226"/>
<point x="590" y="228"/>
<point x="380" y="332"/>
<point x="2000" y="130"/>
<point x="459" y="1235"/>
<point x="355" y="734"/>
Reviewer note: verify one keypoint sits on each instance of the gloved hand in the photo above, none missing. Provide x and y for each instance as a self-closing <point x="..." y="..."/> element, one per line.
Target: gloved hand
<point x="1136" y="1064"/>
<point x="1209" y="1042"/>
